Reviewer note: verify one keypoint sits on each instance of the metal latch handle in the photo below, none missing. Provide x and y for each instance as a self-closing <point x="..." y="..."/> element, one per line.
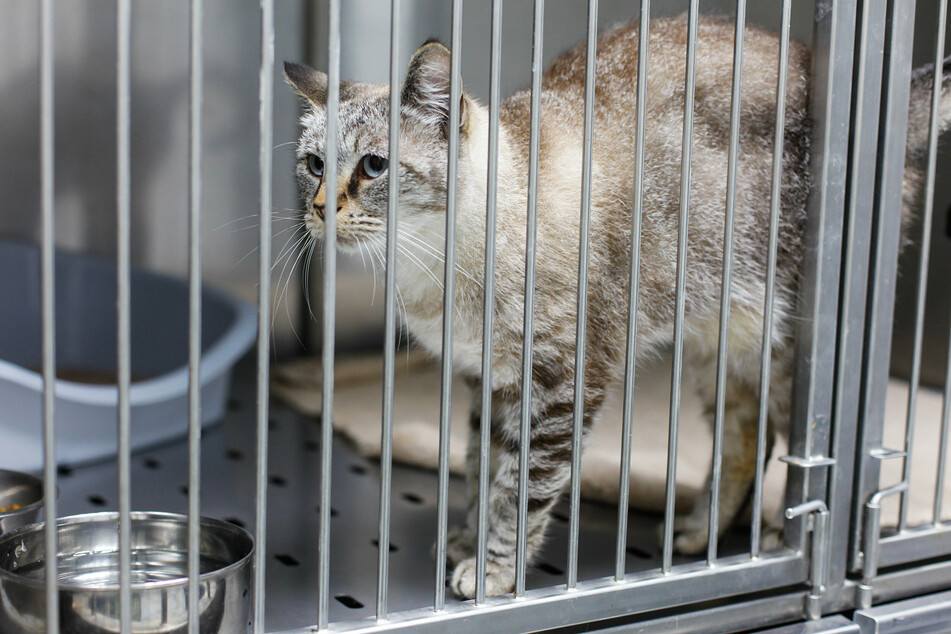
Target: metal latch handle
<point x="870" y="539"/>
<point x="819" y="513"/>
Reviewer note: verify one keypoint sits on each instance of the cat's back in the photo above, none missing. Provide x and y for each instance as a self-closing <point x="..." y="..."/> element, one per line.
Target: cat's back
<point x="616" y="76"/>
<point x="561" y="160"/>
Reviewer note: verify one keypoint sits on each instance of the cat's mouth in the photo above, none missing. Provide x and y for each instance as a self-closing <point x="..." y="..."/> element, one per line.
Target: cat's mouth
<point x="348" y="243"/>
<point x="352" y="233"/>
<point x="348" y="240"/>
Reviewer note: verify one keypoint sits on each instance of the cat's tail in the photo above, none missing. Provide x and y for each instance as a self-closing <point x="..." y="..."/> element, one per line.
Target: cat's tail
<point x="919" y="108"/>
<point x="916" y="147"/>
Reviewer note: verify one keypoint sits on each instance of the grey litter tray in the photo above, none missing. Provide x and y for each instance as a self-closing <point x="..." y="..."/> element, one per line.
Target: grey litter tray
<point x="86" y="392"/>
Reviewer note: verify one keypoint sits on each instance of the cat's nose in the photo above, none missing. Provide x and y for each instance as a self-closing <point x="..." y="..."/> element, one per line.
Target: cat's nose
<point x="319" y="210"/>
<point x="319" y="204"/>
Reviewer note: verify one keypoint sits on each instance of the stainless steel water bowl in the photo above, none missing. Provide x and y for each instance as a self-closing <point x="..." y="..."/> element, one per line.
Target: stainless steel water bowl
<point x="21" y="498"/>
<point x="88" y="572"/>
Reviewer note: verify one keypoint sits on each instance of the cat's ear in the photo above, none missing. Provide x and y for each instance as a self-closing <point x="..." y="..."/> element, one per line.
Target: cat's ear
<point x="426" y="87"/>
<point x="309" y="83"/>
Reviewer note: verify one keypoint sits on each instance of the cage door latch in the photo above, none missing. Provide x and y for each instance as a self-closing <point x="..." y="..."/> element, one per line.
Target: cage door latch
<point x="870" y="540"/>
<point x="818" y="515"/>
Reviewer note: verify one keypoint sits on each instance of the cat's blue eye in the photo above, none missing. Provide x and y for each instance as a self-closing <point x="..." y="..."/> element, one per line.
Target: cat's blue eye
<point x="315" y="165"/>
<point x="374" y="165"/>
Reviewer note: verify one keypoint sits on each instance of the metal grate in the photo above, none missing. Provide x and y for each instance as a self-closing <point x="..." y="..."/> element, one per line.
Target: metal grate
<point x="228" y="453"/>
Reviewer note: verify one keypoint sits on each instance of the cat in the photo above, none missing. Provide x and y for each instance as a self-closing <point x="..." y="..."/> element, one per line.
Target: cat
<point x="424" y="129"/>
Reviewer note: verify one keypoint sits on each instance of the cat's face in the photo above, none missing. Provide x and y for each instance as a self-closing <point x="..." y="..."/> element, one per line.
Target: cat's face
<point x="363" y="165"/>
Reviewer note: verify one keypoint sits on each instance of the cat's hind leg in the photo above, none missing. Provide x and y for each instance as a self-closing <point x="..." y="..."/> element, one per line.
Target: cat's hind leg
<point x="741" y="414"/>
<point x="740" y="430"/>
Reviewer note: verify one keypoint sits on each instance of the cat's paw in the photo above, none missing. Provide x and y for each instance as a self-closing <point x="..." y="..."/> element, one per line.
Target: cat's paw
<point x="691" y="541"/>
<point x="690" y="534"/>
<point x="499" y="578"/>
<point x="460" y="545"/>
<point x="772" y="539"/>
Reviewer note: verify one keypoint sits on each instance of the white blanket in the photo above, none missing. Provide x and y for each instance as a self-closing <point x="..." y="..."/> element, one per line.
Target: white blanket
<point x="358" y="406"/>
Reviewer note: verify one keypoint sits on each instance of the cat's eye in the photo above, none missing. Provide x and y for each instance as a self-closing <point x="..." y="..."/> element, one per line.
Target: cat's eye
<point x="315" y="165"/>
<point x="374" y="165"/>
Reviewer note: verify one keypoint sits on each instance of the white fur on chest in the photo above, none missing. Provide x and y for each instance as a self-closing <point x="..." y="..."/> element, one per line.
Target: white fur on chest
<point x="424" y="298"/>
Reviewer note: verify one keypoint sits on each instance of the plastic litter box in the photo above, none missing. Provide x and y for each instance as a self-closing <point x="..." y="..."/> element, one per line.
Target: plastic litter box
<point x="86" y="392"/>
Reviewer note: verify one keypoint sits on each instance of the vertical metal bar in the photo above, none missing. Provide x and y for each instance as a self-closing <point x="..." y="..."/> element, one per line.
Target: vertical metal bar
<point x="449" y="285"/>
<point x="389" y="345"/>
<point x="489" y="303"/>
<point x="124" y="301"/>
<point x="725" y="294"/>
<point x="830" y="100"/>
<point x="49" y="311"/>
<point x="943" y="447"/>
<point x="634" y="282"/>
<point x="850" y="345"/>
<point x="677" y="373"/>
<point x="922" y="290"/>
<point x="265" y="142"/>
<point x="769" y="302"/>
<point x="528" y="330"/>
<point x="578" y="423"/>
<point x="329" y="312"/>
<point x="194" y="311"/>
<point x="888" y="203"/>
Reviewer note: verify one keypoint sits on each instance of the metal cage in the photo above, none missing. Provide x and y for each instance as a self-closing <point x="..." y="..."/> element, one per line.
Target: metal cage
<point x="836" y="558"/>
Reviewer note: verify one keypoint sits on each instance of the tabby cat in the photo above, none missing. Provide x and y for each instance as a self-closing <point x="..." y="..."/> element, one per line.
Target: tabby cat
<point x="361" y="200"/>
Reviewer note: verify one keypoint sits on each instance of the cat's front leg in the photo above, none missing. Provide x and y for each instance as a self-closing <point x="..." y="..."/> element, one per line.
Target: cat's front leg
<point x="461" y="539"/>
<point x="548" y="474"/>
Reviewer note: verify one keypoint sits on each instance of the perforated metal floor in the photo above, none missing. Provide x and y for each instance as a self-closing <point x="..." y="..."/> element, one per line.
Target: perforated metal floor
<point x="159" y="476"/>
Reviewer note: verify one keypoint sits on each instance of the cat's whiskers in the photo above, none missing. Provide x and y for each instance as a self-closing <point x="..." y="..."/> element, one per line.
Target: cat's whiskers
<point x="288" y="248"/>
<point x="286" y="229"/>
<point x="255" y="248"/>
<point x="436" y="253"/>
<point x="282" y="284"/>
<point x="302" y="246"/>
<point x="275" y="214"/>
<point x="363" y="259"/>
<point x="423" y="245"/>
<point x="362" y="244"/>
<point x="305" y="270"/>
<point x="244" y="257"/>
<point x="400" y="304"/>
<point x="415" y="259"/>
<point x="404" y="319"/>
<point x="287" y="255"/>
<point x="282" y="293"/>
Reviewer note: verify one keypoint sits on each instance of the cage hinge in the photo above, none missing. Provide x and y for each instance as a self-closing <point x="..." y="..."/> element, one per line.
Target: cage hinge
<point x="818" y="515"/>
<point x="870" y="541"/>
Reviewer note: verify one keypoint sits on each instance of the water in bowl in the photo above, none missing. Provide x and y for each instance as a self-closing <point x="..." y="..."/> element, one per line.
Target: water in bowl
<point x="101" y="569"/>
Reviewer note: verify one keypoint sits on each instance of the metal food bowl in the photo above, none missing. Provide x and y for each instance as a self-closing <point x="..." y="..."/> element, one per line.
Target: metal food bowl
<point x="88" y="571"/>
<point x="21" y="498"/>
